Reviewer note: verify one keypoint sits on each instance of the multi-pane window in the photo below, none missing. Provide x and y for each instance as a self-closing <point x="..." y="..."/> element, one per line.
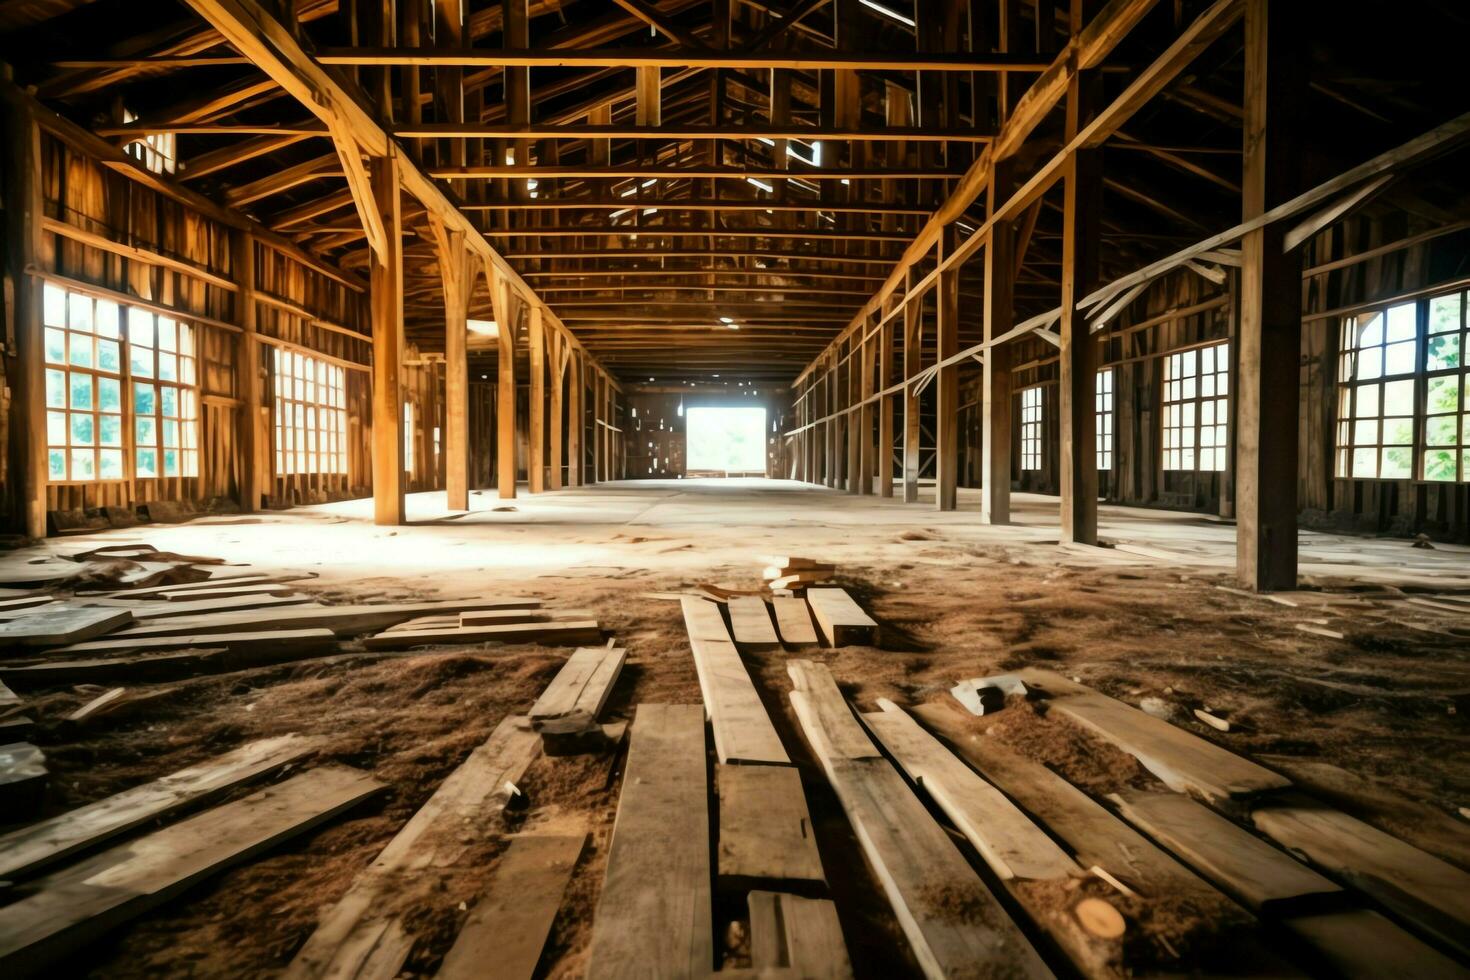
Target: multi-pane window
<point x="165" y="405"/>
<point x="1197" y="409"/>
<point x="84" y="385"/>
<point x="1377" y="364"/>
<point x="158" y="151"/>
<point x="1031" y="429"/>
<point x="408" y="437"/>
<point x="1446" y="455"/>
<point x="1104" y="412"/>
<point x="311" y="414"/>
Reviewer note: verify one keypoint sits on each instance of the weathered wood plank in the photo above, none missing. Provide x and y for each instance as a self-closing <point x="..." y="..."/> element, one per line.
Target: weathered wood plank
<point x="1185" y="762"/>
<point x="283" y="643"/>
<point x="575" y="697"/>
<point x="508" y="926"/>
<point x="794" y="621"/>
<point x="842" y="620"/>
<point x="801" y="935"/>
<point x="923" y="874"/>
<point x="339" y="619"/>
<point x="27" y="850"/>
<point x="765" y="830"/>
<point x="653" y="917"/>
<point x="60" y="624"/>
<point x="1238" y="862"/>
<point x="742" y="729"/>
<point x="750" y="621"/>
<point x="78" y="904"/>
<point x="1421" y="888"/>
<point x="1362" y="945"/>
<point x="150" y="612"/>
<point x="363" y="935"/>
<point x="559" y="632"/>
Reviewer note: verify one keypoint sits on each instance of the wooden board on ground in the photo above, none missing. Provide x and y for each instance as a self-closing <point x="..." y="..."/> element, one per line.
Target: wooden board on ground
<point x="924" y="875"/>
<point x="1184" y="761"/>
<point x="508" y="926"/>
<point x="56" y="625"/>
<point x="1359" y="944"/>
<point x="794" y="621"/>
<point x="205" y="585"/>
<point x="750" y="622"/>
<point x="653" y="916"/>
<point x="842" y="621"/>
<point x="797" y="934"/>
<point x="278" y="589"/>
<point x="146" y="667"/>
<point x="27" y="850"/>
<point x="765" y="831"/>
<point x="742" y="729"/>
<point x="281" y="644"/>
<point x="343" y="620"/>
<point x="1010" y="843"/>
<point x="794" y="563"/>
<point x="23" y="778"/>
<point x="76" y="905"/>
<point x="1238" y="862"/>
<point x="555" y="633"/>
<point x="364" y="935"/>
<point x="798" y="580"/>
<point x="1427" y="892"/>
<point x="576" y="695"/>
<point x="151" y="611"/>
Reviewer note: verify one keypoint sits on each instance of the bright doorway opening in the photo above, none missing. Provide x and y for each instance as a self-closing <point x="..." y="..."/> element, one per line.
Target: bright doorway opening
<point x="725" y="441"/>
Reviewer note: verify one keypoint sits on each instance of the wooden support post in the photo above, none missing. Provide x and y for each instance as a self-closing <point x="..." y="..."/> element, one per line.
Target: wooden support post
<point x="252" y="425"/>
<point x="946" y="384"/>
<point x="454" y="270"/>
<point x="576" y="420"/>
<point x="558" y="355"/>
<point x="598" y="432"/>
<point x="885" y="411"/>
<point x="995" y="417"/>
<point x="1270" y="302"/>
<point x="1081" y="241"/>
<point x="913" y="330"/>
<point x="23" y="211"/>
<point x="505" y="386"/>
<point x="867" y="416"/>
<point x="386" y="299"/>
<point x="536" y="406"/>
<point x="852" y="391"/>
<point x="829" y="383"/>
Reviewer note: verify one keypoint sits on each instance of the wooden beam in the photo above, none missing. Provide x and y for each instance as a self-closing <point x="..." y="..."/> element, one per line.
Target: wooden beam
<point x="650" y="15"/>
<point x="536" y="407"/>
<point x="505" y="388"/>
<point x="24" y="211"/>
<point x="999" y="317"/>
<point x="689" y="57"/>
<point x="386" y="301"/>
<point x="913" y="349"/>
<point x="686" y="172"/>
<point x="576" y="420"/>
<point x="947" y="400"/>
<point x="252" y="424"/>
<point x="558" y="363"/>
<point x="456" y="274"/>
<point x="582" y="131"/>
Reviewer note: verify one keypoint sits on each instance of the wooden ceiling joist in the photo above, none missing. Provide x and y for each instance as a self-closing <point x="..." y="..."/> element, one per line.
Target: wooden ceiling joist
<point x="702" y="58"/>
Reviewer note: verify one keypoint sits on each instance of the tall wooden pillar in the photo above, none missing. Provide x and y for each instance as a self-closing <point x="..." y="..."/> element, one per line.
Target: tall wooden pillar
<point x="455" y="272"/>
<point x="946" y="384"/>
<point x="885" y="408"/>
<point x="536" y="406"/>
<point x="867" y="415"/>
<point x="598" y="432"/>
<point x="505" y="387"/>
<point x="557" y="362"/>
<point x="576" y="420"/>
<point x="995" y="412"/>
<point x="829" y="382"/>
<point x="252" y="427"/>
<point x="386" y="300"/>
<point x="913" y="327"/>
<point x="1081" y="239"/>
<point x="1270" y="302"/>
<point x="23" y="212"/>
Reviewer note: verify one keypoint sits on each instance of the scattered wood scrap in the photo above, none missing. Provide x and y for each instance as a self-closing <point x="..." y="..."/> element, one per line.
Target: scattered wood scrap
<point x="363" y="934"/>
<point x="78" y="904"/>
<point x="923" y="874"/>
<point x="794" y="621"/>
<point x="566" y="713"/>
<point x="842" y="621"/>
<point x="508" y="926"/>
<point x="61" y="624"/>
<point x="556" y="632"/>
<point x="765" y="831"/>
<point x="343" y="620"/>
<point x="742" y="729"/>
<point x="268" y="646"/>
<point x="802" y="935"/>
<point x="1184" y="761"/>
<point x="653" y="916"/>
<point x="750" y="622"/>
<point x="29" y="849"/>
<point x="144" y="667"/>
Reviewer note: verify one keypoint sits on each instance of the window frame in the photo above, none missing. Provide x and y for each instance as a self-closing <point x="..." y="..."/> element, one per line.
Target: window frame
<point x="1032" y="437"/>
<point x="1192" y="407"/>
<point x="309" y="419"/>
<point x="1105" y="417"/>
<point x="1460" y="448"/>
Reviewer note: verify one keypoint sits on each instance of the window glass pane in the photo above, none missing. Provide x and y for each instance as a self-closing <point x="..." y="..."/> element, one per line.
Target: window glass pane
<point x="1370" y="330"/>
<point x="108" y="356"/>
<point x="1443" y="352"/>
<point x="109" y="394"/>
<point x="1401" y="320"/>
<point x="147" y="463"/>
<point x="140" y="327"/>
<point x="110" y="430"/>
<point x="79" y="312"/>
<point x="1444" y="313"/>
<point x="106" y="318"/>
<point x="1400" y="358"/>
<point x="81" y="391"/>
<point x="1395" y="464"/>
<point x="1398" y="398"/>
<point x="143" y="399"/>
<point x="1443" y="394"/>
<point x="80" y="350"/>
<point x="55" y="389"/>
<point x="56" y="346"/>
<point x="53" y="306"/>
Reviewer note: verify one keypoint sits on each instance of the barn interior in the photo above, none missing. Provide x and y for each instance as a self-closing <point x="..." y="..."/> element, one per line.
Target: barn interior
<point x="781" y="488"/>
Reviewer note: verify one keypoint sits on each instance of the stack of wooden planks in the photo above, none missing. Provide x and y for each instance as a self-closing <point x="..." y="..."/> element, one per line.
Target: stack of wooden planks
<point x="565" y="715"/>
<point x="787" y="573"/>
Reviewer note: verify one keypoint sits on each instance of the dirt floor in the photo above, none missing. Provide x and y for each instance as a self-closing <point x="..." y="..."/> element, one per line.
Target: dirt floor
<point x="1375" y="720"/>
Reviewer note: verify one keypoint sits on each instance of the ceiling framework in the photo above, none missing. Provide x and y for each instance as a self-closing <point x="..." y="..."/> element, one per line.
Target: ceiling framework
<point x="658" y="177"/>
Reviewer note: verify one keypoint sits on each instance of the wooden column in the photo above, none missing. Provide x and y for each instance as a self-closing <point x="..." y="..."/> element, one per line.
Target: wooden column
<point x="536" y="406"/>
<point x="913" y="328"/>
<point x="867" y="416"/>
<point x="505" y="387"/>
<point x="946" y="385"/>
<point x="1077" y="387"/>
<point x="829" y="383"/>
<point x="852" y="395"/>
<point x="252" y="424"/>
<point x="23" y="212"/>
<point x="558" y="364"/>
<point x="576" y="420"/>
<point x="386" y="299"/>
<point x="454" y="270"/>
<point x="598" y="433"/>
<point x="885" y="408"/>
<point x="995" y="412"/>
<point x="1270" y="302"/>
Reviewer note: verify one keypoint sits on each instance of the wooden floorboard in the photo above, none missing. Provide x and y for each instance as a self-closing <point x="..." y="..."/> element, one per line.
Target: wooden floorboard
<point x="750" y="622"/>
<point x="803" y="935"/>
<point x="742" y="729"/>
<point x="765" y="831"/>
